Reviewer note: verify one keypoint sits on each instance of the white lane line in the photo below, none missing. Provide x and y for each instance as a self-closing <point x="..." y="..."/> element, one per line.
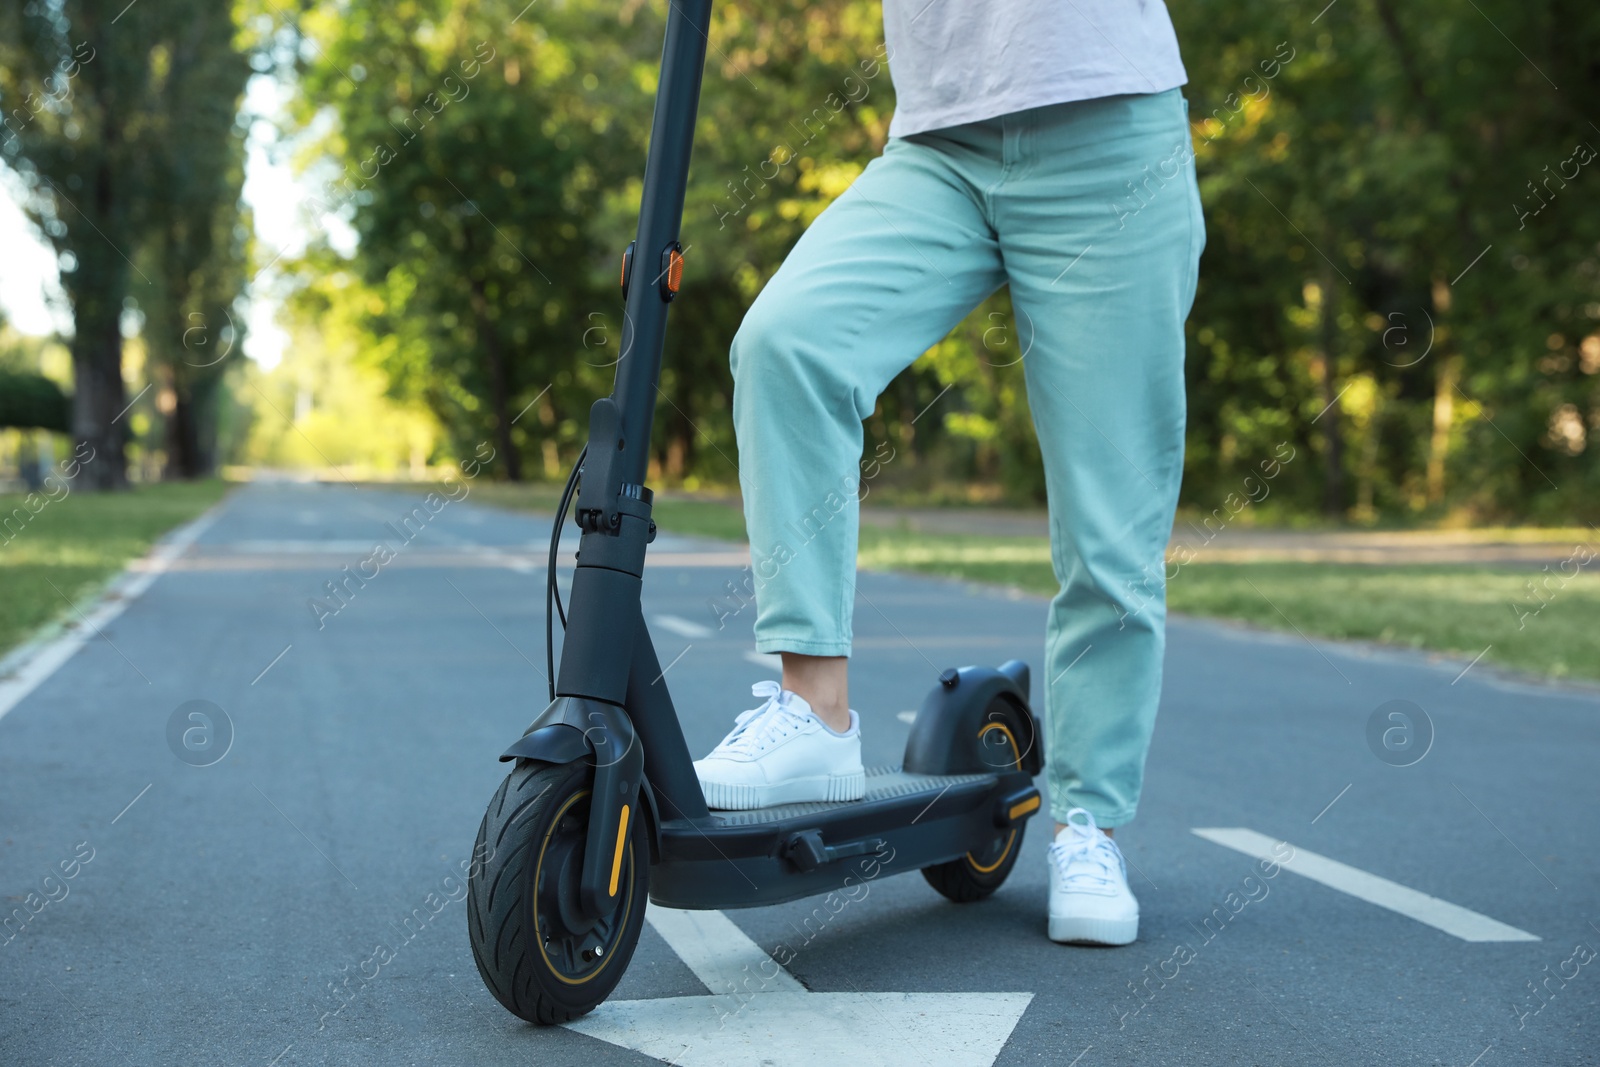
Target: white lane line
<point x="27" y="668"/>
<point x="504" y="559"/>
<point x="1440" y="914"/>
<point x="770" y="660"/>
<point x="906" y="716"/>
<point x="718" y="952"/>
<point x="759" y="1009"/>
<point x="682" y="627"/>
<point x="296" y="546"/>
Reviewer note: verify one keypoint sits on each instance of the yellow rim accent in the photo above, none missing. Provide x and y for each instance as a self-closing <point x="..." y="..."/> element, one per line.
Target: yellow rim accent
<point x="981" y="869"/>
<point x="538" y="870"/>
<point x="1012" y="839"/>
<point x="616" y="860"/>
<point x="1009" y="737"/>
<point x="1031" y="804"/>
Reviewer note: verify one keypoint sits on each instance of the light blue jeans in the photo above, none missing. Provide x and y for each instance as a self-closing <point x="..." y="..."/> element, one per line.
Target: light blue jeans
<point x="1089" y="210"/>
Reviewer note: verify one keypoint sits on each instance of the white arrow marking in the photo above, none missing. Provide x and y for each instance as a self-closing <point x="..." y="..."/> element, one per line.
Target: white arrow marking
<point x="682" y="627"/>
<point x="718" y="952"/>
<point x="765" y="1016"/>
<point x="1440" y="914"/>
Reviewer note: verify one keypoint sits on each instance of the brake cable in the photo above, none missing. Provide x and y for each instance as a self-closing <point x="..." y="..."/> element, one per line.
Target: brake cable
<point x="552" y="596"/>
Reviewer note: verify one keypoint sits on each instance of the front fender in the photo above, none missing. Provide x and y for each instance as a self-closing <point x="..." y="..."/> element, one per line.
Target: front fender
<point x="557" y="743"/>
<point x="600" y="734"/>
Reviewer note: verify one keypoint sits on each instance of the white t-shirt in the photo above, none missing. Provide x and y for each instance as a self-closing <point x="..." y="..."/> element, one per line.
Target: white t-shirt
<point x="956" y="61"/>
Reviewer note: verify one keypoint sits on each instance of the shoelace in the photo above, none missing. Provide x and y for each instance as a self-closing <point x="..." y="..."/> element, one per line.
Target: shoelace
<point x="1087" y="859"/>
<point x="756" y="729"/>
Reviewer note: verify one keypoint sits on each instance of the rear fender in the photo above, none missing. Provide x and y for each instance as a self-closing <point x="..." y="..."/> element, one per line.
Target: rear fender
<point x="945" y="735"/>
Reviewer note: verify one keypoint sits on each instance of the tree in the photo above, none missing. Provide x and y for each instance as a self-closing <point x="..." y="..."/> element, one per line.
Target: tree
<point x="100" y="101"/>
<point x="196" y="245"/>
<point x="1365" y="249"/>
<point x="466" y="165"/>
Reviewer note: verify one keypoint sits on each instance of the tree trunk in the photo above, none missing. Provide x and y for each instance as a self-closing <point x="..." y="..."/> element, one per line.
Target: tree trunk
<point x="98" y="397"/>
<point x="1444" y="390"/>
<point x="1446" y="376"/>
<point x="185" y="459"/>
<point x="1333" y="432"/>
<point x="499" y="390"/>
<point x="187" y="392"/>
<point x="96" y="289"/>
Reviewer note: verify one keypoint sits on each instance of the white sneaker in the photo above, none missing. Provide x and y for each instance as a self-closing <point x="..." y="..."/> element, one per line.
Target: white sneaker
<point x="1090" y="902"/>
<point x="781" y="753"/>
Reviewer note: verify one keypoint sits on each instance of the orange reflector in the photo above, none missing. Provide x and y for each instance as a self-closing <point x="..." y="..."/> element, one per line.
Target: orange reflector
<point x="674" y="269"/>
<point x="623" y="280"/>
<point x="622" y="837"/>
<point x="1031" y="804"/>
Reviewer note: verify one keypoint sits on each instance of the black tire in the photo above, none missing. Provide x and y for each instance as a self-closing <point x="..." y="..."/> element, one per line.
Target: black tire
<point x="982" y="871"/>
<point x="522" y="938"/>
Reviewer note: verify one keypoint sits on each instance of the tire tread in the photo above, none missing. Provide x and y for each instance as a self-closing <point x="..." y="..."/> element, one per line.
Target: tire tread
<point x="497" y="911"/>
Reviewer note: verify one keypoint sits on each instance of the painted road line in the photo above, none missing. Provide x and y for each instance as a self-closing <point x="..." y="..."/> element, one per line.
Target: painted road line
<point x="25" y="669"/>
<point x="761" y="1014"/>
<point x="1453" y="919"/>
<point x="667" y="558"/>
<point x="293" y="547"/>
<point x="682" y="627"/>
<point x="503" y="559"/>
<point x="718" y="952"/>
<point x="770" y="660"/>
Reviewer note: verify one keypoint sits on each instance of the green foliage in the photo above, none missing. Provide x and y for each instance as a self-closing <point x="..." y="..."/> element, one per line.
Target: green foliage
<point x="1354" y="172"/>
<point x="32" y="401"/>
<point x="117" y="118"/>
<point x="1401" y="281"/>
<point x="195" y="249"/>
<point x="469" y="167"/>
<point x="327" y="402"/>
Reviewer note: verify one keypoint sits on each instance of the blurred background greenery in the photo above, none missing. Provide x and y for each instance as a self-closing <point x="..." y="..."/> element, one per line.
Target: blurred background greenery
<point x="1401" y="285"/>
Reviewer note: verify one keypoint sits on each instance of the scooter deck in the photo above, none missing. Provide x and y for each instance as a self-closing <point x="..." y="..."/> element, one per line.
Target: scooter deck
<point x="883" y="783"/>
<point x="769" y="855"/>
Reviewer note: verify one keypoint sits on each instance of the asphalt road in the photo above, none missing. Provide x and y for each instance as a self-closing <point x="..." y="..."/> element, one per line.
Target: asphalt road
<point x="227" y="914"/>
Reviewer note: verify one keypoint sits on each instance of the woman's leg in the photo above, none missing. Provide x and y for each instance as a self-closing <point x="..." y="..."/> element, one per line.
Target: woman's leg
<point x="882" y="275"/>
<point x="1101" y="231"/>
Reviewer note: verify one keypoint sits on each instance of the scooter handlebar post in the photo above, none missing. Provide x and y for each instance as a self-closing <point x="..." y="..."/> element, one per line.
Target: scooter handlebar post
<point x="621" y="456"/>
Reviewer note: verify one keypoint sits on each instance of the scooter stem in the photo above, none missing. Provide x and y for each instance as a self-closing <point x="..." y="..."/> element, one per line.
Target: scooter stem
<point x="607" y="654"/>
<point x="619" y="438"/>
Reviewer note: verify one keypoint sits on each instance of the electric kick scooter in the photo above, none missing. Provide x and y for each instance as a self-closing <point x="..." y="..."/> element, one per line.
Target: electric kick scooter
<point x="602" y="807"/>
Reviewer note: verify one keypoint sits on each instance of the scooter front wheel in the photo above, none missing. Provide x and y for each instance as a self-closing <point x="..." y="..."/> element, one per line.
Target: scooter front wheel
<point x="539" y="955"/>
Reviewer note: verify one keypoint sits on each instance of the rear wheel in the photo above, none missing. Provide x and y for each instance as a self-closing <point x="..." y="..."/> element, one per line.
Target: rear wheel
<point x="542" y="959"/>
<point x="982" y="870"/>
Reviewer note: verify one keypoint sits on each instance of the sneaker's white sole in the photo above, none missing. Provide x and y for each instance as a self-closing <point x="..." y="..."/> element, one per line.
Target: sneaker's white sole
<point x="732" y="796"/>
<point x="1073" y="930"/>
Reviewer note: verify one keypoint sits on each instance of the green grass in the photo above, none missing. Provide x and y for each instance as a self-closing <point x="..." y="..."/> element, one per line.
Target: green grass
<point x="74" y="544"/>
<point x="1446" y="608"/>
<point x="1452" y="608"/>
<point x="1441" y="607"/>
